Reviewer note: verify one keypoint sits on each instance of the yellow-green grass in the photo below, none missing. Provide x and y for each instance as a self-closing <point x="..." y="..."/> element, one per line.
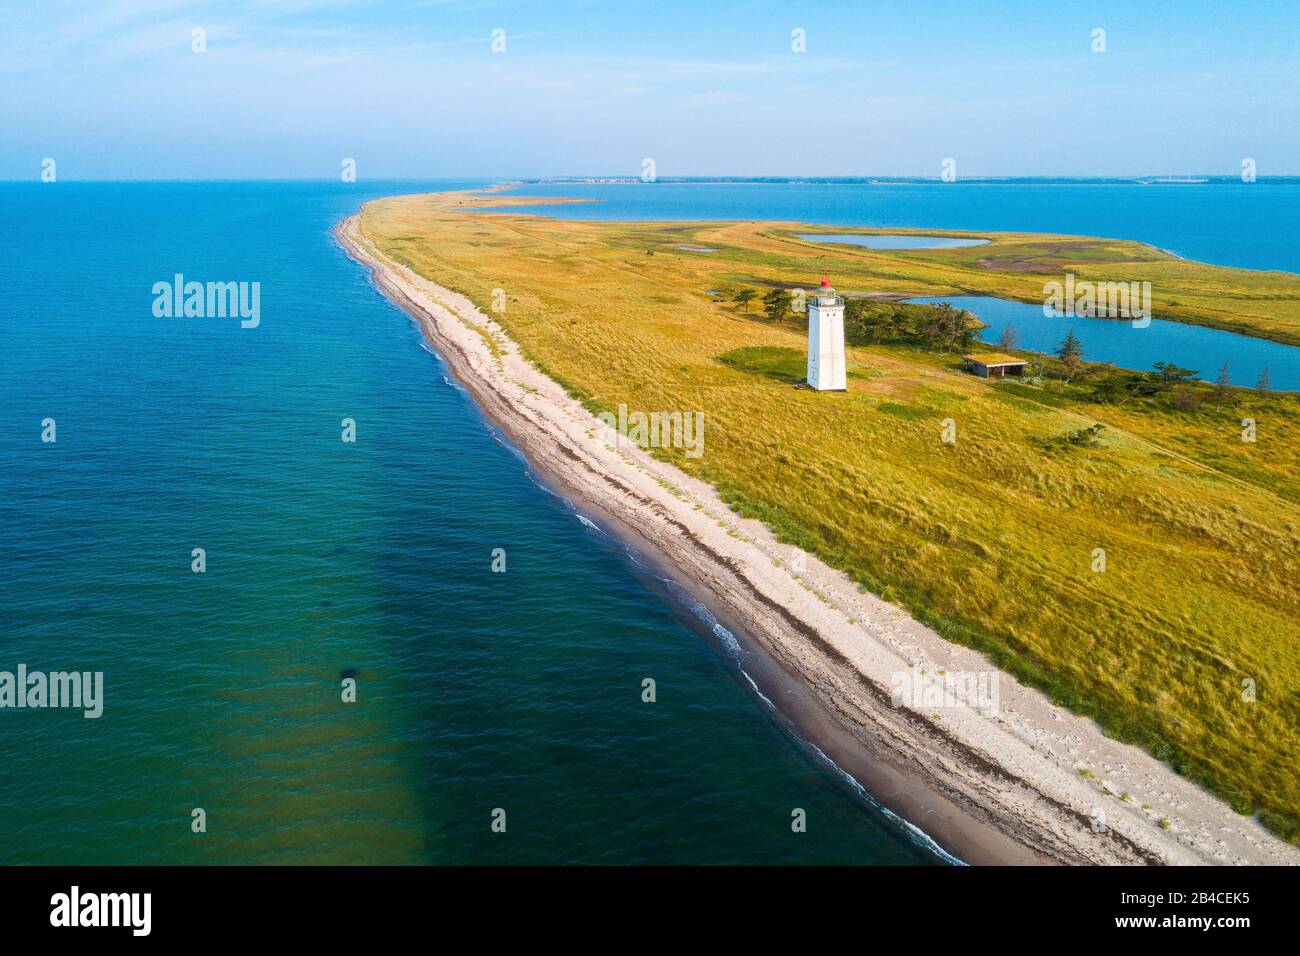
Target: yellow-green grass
<point x="991" y="539"/>
<point x="1016" y="266"/>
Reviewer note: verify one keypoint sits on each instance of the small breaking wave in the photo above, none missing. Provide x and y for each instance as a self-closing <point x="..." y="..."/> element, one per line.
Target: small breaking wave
<point x="915" y="833"/>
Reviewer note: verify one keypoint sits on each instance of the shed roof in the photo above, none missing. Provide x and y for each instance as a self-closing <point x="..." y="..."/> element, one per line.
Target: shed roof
<point x="994" y="358"/>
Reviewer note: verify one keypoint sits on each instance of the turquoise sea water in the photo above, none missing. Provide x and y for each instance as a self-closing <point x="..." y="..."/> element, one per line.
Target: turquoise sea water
<point x="475" y="690"/>
<point x="325" y="559"/>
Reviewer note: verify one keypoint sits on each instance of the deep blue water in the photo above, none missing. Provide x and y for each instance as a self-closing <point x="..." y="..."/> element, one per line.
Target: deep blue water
<point x="476" y="690"/>
<point x="1132" y="345"/>
<point x="1226" y="222"/>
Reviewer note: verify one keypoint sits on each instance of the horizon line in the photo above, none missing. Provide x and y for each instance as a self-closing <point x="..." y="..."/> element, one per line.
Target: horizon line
<point x="633" y="179"/>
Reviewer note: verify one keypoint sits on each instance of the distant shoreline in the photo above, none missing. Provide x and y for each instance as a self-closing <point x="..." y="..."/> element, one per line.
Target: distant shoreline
<point x="899" y="181"/>
<point x="990" y="790"/>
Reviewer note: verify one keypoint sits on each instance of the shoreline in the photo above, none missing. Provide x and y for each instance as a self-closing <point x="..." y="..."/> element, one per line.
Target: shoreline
<point x="756" y="670"/>
<point x="1000" y="789"/>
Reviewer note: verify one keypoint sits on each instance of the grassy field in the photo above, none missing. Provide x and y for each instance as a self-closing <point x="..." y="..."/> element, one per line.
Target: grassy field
<point x="990" y="539"/>
<point x="1015" y="266"/>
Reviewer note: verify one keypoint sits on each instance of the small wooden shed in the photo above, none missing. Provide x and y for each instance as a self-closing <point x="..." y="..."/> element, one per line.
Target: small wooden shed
<point x="993" y="364"/>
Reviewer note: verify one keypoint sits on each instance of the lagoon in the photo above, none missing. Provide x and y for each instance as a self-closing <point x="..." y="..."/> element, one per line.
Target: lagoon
<point x="1136" y="345"/>
<point x="896" y="242"/>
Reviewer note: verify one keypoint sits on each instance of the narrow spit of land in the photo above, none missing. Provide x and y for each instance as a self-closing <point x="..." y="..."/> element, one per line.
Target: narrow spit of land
<point x="990" y="540"/>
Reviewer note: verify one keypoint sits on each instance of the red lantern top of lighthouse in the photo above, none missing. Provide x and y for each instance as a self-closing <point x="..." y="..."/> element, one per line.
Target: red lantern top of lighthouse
<point x="826" y="295"/>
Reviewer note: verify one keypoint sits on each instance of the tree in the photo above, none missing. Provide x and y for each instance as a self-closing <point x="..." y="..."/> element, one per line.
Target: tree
<point x="1007" y="340"/>
<point x="1263" y="384"/>
<point x="884" y="323"/>
<point x="945" y="329"/>
<point x="744" y="297"/>
<point x="870" y="322"/>
<point x="777" y="304"/>
<point x="1036" y="367"/>
<point x="1223" y="385"/>
<point x="960" y="336"/>
<point x="1171" y="375"/>
<point x="1070" y="352"/>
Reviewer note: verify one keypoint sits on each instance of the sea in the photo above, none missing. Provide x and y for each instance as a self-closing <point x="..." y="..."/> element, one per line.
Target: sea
<point x="338" y="618"/>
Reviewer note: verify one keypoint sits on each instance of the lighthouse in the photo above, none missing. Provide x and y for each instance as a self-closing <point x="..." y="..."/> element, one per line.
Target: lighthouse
<point x="826" y="339"/>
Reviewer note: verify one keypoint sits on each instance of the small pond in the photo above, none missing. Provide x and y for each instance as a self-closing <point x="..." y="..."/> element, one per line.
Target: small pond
<point x="896" y="242"/>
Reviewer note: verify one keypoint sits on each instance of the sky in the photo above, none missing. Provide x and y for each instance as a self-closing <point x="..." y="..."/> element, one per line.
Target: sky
<point x="415" y="88"/>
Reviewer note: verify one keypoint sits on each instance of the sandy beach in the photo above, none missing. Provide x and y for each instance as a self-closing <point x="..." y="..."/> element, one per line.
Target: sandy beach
<point x="1022" y="782"/>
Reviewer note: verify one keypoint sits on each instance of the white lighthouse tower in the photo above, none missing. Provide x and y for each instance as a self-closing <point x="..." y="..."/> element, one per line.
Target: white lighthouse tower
<point x="826" y="340"/>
